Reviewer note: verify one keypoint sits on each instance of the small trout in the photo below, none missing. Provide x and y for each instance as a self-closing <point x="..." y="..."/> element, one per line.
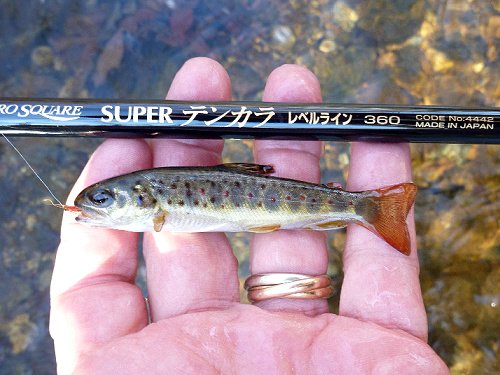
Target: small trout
<point x="240" y="197"/>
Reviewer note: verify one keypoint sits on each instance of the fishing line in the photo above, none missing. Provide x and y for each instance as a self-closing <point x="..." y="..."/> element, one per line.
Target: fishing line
<point x="59" y="204"/>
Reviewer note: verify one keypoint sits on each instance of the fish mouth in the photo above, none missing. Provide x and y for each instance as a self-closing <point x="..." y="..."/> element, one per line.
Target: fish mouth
<point x="82" y="217"/>
<point x="87" y="215"/>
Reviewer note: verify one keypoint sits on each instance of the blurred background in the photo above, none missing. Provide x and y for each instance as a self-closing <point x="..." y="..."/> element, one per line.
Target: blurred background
<point x="443" y="52"/>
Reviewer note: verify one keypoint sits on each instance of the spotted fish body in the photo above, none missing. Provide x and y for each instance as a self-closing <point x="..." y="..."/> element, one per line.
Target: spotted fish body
<point x="240" y="197"/>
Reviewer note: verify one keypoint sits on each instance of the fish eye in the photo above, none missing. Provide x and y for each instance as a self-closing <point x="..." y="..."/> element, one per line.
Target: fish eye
<point x="102" y="198"/>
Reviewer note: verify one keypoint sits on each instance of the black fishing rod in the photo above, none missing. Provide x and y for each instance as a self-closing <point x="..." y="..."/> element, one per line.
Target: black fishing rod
<point x="182" y="119"/>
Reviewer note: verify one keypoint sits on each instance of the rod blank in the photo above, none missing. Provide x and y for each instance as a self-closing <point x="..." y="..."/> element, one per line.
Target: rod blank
<point x="178" y="119"/>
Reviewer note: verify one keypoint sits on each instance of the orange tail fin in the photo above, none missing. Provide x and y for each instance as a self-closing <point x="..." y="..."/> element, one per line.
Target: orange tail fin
<point x="384" y="212"/>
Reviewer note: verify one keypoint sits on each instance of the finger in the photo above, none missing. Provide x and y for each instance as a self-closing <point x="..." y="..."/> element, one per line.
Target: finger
<point x="93" y="296"/>
<point x="192" y="271"/>
<point x="291" y="251"/>
<point x="380" y="284"/>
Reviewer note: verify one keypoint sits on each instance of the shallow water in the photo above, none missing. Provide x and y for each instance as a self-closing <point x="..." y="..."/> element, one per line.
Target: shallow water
<point x="403" y="52"/>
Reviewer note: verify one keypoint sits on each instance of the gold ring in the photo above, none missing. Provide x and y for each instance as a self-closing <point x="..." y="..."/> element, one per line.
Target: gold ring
<point x="265" y="286"/>
<point x="148" y="309"/>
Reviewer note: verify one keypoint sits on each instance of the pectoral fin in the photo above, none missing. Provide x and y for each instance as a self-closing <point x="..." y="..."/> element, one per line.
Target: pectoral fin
<point x="265" y="228"/>
<point x="159" y="220"/>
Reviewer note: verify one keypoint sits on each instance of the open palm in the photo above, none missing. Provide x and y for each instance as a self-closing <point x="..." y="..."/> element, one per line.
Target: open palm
<point x="99" y="319"/>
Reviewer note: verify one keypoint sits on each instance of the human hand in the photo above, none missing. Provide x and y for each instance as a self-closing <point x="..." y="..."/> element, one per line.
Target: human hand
<point x="99" y="320"/>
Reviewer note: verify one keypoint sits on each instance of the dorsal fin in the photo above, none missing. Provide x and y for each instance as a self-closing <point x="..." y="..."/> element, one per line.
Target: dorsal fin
<point x="334" y="185"/>
<point x="258" y="169"/>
